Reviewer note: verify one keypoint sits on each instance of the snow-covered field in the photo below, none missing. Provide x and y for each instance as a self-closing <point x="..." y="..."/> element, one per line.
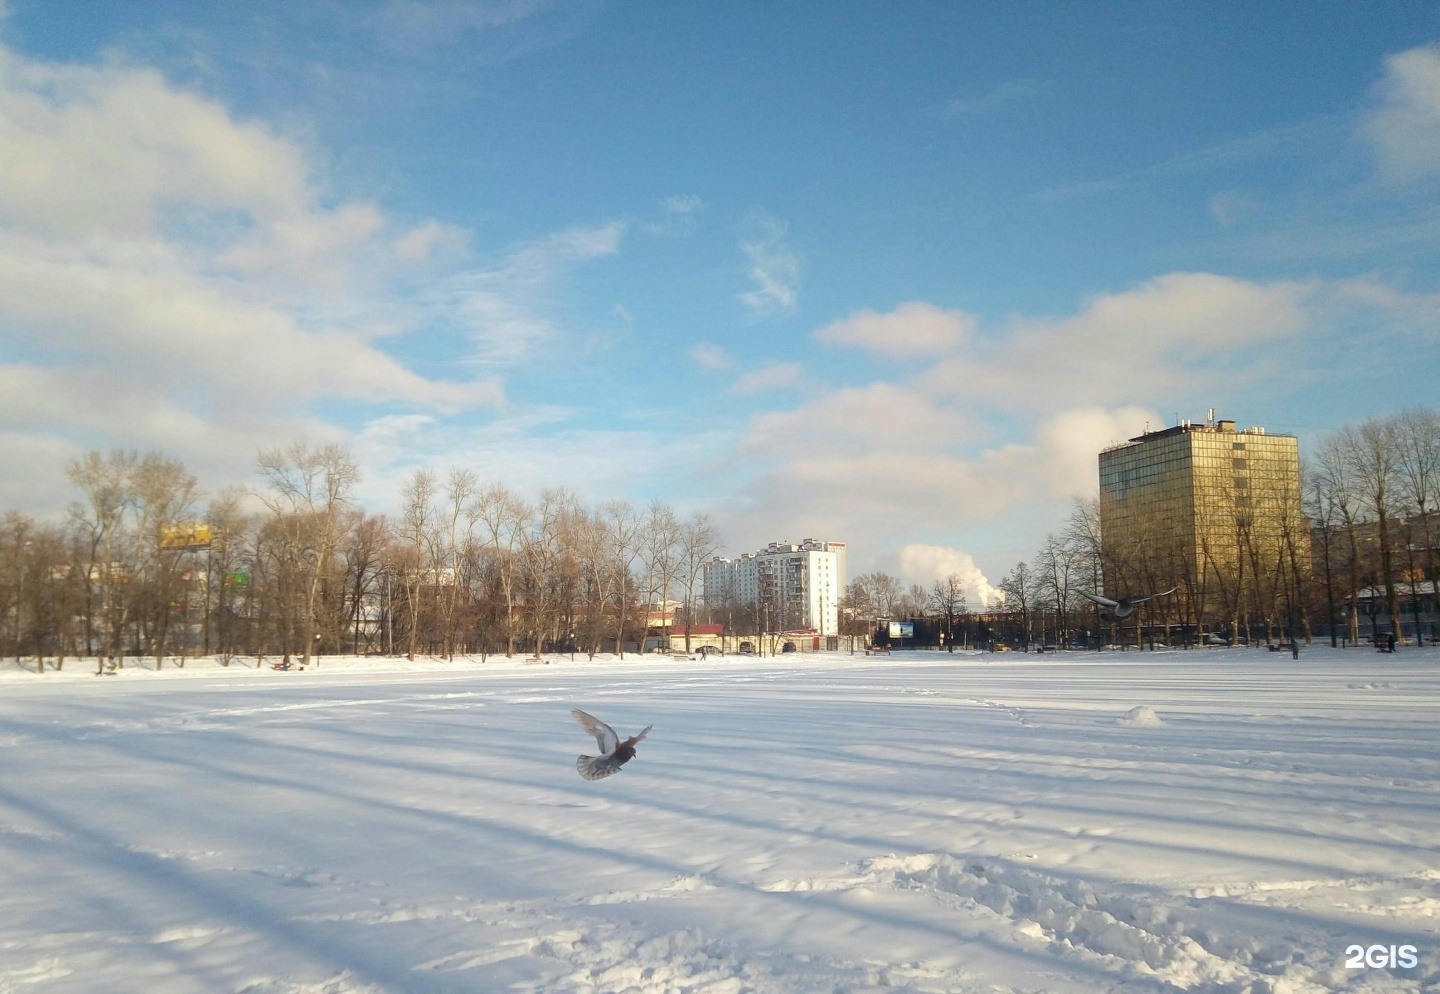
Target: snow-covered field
<point x="1215" y="820"/>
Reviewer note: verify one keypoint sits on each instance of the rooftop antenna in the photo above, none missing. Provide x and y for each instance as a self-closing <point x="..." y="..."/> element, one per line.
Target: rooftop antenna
<point x="1210" y="418"/>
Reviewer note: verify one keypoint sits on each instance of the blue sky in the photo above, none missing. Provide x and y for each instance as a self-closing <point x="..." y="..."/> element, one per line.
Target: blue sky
<point x="882" y="273"/>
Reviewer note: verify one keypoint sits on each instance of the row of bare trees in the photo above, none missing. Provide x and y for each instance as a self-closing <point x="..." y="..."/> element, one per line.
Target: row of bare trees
<point x="295" y="567"/>
<point x="1371" y="495"/>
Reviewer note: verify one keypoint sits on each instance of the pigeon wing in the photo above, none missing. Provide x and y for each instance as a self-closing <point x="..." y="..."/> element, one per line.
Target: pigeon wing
<point x="1163" y="593"/>
<point x="596" y="767"/>
<point x="604" y="734"/>
<point x="1103" y="601"/>
<point x="642" y="735"/>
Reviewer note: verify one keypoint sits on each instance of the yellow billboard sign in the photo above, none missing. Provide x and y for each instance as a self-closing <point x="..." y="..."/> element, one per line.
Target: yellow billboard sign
<point x="195" y="535"/>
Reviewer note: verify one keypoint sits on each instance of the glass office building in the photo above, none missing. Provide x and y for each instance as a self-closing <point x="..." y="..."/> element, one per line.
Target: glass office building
<point x="1207" y="508"/>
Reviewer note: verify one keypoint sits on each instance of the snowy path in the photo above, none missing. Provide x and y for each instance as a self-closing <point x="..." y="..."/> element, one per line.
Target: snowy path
<point x="927" y="823"/>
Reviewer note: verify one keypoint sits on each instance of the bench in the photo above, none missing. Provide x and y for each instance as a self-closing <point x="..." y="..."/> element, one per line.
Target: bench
<point x="878" y="650"/>
<point x="1282" y="647"/>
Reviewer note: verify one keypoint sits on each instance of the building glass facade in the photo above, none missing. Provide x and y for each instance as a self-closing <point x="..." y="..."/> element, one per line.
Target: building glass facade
<point x="1207" y="508"/>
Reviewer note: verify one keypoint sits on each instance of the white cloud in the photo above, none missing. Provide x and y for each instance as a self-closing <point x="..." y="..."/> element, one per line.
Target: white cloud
<point x="1068" y="444"/>
<point x="876" y="417"/>
<point x="1405" y="127"/>
<point x="769" y="378"/>
<point x="1198" y="329"/>
<point x="913" y="329"/>
<point x="429" y="239"/>
<point x="111" y="149"/>
<point x="198" y="290"/>
<point x="164" y="325"/>
<point x="710" y="356"/>
<point x="925" y="564"/>
<point x="771" y="266"/>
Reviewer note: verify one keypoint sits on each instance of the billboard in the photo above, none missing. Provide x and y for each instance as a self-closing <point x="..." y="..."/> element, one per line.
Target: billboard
<point x="902" y="629"/>
<point x="195" y="535"/>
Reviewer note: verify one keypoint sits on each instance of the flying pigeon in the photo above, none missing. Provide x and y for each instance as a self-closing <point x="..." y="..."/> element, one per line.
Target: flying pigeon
<point x="615" y="753"/>
<point x="1125" y="606"/>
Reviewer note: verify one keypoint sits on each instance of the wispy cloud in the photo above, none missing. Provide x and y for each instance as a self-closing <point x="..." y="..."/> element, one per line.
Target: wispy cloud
<point x="774" y="377"/>
<point x="1405" y="127"/>
<point x="1306" y="138"/>
<point x="771" y="266"/>
<point x="678" y="215"/>
<point x="486" y="30"/>
<point x="1009" y="94"/>
<point x="711" y="356"/>
<point x="505" y="310"/>
<point x="682" y="204"/>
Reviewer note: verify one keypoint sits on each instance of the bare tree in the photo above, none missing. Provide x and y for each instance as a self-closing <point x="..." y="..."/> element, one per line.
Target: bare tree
<point x="1417" y="436"/>
<point x="624" y="535"/>
<point x="413" y="563"/>
<point x="17" y="539"/>
<point x="462" y="511"/>
<point x="1060" y="561"/>
<point x="105" y="482"/>
<point x="1372" y="451"/>
<point x="505" y="518"/>
<point x="1020" y="591"/>
<point x="947" y="597"/>
<point x="659" y="538"/>
<point x="883" y="592"/>
<point x="542" y="566"/>
<point x="365" y="552"/>
<point x="1340" y="493"/>
<point x="308" y="489"/>
<point x="164" y="497"/>
<point x="697" y="544"/>
<point x="230" y="528"/>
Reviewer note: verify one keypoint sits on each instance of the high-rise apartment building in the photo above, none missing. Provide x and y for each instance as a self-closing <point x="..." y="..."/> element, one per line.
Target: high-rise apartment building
<point x="1207" y="508"/>
<point x="792" y="587"/>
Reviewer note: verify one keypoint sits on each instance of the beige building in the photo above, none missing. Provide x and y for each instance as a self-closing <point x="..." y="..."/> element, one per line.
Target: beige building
<point x="1210" y="509"/>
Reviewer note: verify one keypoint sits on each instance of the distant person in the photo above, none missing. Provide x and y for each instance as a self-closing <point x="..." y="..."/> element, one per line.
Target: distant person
<point x="1390" y="642"/>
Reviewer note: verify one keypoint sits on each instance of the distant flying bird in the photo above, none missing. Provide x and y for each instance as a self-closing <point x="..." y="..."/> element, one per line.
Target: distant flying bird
<point x="1125" y="606"/>
<point x="614" y="753"/>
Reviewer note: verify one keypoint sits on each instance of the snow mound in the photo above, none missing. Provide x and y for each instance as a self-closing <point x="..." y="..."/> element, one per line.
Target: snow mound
<point x="1141" y="716"/>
